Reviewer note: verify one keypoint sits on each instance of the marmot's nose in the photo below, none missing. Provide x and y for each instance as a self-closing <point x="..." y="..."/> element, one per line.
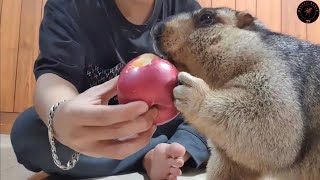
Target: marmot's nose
<point x="157" y="30"/>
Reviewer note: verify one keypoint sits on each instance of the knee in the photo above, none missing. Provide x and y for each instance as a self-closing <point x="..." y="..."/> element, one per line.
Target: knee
<point x="29" y="139"/>
<point x="26" y="127"/>
<point x="26" y="135"/>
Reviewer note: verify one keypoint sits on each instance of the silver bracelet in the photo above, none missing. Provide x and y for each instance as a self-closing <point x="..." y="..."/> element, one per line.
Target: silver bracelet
<point x="75" y="157"/>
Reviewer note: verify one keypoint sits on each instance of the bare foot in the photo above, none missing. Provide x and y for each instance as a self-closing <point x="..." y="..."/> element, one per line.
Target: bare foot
<point x="165" y="161"/>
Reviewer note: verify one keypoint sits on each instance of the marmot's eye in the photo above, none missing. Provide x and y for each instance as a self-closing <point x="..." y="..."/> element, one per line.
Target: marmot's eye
<point x="206" y="19"/>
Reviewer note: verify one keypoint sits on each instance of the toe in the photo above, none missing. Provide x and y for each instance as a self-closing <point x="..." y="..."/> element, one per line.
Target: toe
<point x="172" y="177"/>
<point x="175" y="150"/>
<point x="175" y="171"/>
<point x="185" y="78"/>
<point x="177" y="162"/>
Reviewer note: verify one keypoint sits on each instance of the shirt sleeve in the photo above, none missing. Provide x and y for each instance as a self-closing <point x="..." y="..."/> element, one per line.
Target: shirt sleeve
<point x="194" y="142"/>
<point x="61" y="51"/>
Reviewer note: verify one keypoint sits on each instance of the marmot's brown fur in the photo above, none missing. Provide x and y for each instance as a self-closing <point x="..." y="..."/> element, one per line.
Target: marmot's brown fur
<point x="254" y="93"/>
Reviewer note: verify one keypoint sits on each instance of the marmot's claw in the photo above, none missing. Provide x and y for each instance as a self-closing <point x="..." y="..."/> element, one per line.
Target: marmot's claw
<point x="181" y="92"/>
<point x="188" y="95"/>
<point x="186" y="79"/>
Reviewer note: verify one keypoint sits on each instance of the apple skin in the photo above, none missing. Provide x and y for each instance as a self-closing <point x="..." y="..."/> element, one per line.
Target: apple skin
<point x="150" y="79"/>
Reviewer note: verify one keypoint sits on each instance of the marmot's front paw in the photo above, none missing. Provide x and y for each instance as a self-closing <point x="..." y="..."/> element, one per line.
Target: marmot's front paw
<point x="190" y="94"/>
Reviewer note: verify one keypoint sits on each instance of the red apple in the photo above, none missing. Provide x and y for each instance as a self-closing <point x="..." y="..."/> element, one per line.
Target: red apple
<point x="150" y="79"/>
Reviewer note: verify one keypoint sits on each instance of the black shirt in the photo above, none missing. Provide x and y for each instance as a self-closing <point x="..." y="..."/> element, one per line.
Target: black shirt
<point x="87" y="42"/>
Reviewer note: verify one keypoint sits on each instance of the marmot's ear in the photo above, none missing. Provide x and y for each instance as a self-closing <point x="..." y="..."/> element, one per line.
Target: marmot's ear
<point x="244" y="19"/>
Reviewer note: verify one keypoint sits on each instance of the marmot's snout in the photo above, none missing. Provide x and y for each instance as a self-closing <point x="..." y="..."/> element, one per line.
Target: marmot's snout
<point x="157" y="30"/>
<point x="156" y="33"/>
<point x="170" y="35"/>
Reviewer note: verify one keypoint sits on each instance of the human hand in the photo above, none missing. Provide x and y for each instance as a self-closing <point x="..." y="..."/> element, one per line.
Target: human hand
<point x="88" y="125"/>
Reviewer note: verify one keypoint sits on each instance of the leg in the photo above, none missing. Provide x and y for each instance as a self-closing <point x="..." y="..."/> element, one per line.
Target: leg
<point x="222" y="168"/>
<point x="29" y="139"/>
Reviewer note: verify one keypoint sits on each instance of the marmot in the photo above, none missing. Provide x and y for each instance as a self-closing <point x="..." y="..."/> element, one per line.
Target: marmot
<point x="254" y="93"/>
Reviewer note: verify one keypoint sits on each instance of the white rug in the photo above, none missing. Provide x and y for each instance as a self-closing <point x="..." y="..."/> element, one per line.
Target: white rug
<point x="11" y="170"/>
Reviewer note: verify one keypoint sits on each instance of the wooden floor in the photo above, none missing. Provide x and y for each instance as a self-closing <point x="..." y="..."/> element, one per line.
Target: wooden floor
<point x="6" y="122"/>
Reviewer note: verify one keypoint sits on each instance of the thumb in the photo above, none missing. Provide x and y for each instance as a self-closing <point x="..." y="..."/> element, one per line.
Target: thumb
<point x="106" y="90"/>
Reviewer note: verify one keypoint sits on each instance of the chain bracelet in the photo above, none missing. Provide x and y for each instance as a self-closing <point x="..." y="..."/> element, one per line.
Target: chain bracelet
<point x="75" y="157"/>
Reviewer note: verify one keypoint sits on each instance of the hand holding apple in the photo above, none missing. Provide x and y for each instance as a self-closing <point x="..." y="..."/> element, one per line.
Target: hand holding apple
<point x="150" y="79"/>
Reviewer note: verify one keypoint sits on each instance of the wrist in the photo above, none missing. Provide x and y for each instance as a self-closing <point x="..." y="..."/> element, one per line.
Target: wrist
<point x="56" y="115"/>
<point x="75" y="157"/>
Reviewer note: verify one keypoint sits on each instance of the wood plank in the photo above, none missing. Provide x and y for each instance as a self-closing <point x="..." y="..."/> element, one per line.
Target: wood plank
<point x="31" y="13"/>
<point x="42" y="12"/>
<point x="224" y="3"/>
<point x="269" y="12"/>
<point x="290" y="22"/>
<point x="6" y="122"/>
<point x="313" y="30"/>
<point x="43" y="4"/>
<point x="0" y="20"/>
<point x="247" y="5"/>
<point x="0" y="11"/>
<point x="9" y="42"/>
<point x="205" y="3"/>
